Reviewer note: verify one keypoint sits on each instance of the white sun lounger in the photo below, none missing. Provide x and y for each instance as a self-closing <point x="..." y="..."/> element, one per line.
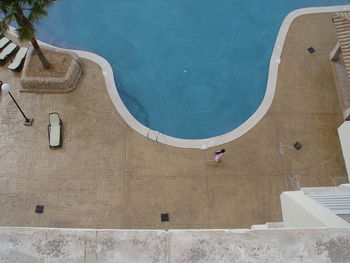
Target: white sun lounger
<point x="7" y="51"/>
<point x="55" y="130"/>
<point x="3" y="42"/>
<point x="19" y="59"/>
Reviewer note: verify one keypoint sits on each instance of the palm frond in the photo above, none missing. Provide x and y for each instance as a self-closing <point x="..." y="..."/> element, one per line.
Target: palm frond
<point x="3" y="26"/>
<point x="36" y="13"/>
<point x="25" y="13"/>
<point x="25" y="33"/>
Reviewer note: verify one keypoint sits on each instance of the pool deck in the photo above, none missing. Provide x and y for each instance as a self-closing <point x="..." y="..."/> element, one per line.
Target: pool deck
<point x="108" y="176"/>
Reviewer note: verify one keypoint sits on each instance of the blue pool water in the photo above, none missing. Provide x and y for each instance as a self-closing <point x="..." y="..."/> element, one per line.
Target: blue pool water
<point x="189" y="69"/>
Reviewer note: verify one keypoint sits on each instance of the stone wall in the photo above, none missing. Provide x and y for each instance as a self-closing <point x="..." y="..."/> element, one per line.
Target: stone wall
<point x="31" y="245"/>
<point x="52" y="84"/>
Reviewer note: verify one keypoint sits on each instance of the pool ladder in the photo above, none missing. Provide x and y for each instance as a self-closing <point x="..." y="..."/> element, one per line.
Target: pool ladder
<point x="153" y="135"/>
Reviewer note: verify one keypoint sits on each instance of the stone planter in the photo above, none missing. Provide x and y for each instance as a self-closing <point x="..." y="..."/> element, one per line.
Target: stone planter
<point x="52" y="84"/>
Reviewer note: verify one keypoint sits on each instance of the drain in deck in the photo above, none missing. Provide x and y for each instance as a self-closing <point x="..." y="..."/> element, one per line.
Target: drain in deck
<point x="311" y="50"/>
<point x="39" y="209"/>
<point x="164" y="217"/>
<point x="297" y="145"/>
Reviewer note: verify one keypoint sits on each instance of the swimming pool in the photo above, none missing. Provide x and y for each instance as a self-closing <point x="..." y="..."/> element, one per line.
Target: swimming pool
<point x="188" y="69"/>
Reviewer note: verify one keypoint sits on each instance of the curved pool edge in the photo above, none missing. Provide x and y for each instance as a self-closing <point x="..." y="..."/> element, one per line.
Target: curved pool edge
<point x="217" y="140"/>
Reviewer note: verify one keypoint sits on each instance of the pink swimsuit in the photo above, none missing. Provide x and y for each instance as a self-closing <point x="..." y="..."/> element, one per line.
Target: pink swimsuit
<point x="218" y="157"/>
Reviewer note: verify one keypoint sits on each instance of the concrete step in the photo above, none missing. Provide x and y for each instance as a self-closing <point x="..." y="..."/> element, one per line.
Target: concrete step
<point x="274" y="225"/>
<point x="259" y="227"/>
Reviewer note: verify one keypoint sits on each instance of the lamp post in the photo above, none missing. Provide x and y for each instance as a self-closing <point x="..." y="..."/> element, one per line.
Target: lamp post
<point x="6" y="89"/>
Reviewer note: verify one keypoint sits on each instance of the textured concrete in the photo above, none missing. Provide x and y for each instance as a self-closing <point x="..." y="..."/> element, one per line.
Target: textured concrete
<point x="42" y="245"/>
<point x="108" y="176"/>
<point x="29" y="245"/>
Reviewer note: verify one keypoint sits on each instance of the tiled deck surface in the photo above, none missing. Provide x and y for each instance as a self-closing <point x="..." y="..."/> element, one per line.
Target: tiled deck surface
<point x="108" y="176"/>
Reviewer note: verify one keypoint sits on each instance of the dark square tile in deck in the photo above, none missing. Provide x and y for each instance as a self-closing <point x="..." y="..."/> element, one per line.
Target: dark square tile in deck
<point x="311" y="50"/>
<point x="297" y="145"/>
<point x="164" y="217"/>
<point x="39" y="209"/>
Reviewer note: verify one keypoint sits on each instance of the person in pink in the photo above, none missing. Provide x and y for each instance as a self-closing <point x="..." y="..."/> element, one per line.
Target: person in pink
<point x="218" y="155"/>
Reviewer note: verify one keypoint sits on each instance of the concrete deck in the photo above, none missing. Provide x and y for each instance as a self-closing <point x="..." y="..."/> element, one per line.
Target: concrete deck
<point x="108" y="176"/>
<point x="74" y="245"/>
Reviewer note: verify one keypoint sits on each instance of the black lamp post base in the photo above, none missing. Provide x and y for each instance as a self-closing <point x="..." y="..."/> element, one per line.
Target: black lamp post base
<point x="28" y="122"/>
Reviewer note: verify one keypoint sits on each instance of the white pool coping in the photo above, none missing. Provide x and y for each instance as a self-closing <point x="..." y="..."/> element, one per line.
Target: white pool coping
<point x="217" y="140"/>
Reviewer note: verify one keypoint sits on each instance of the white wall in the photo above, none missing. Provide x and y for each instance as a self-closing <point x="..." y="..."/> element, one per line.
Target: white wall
<point x="344" y="136"/>
<point x="301" y="211"/>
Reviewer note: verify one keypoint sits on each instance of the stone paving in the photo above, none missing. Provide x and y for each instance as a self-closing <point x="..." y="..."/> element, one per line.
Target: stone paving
<point x="108" y="176"/>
